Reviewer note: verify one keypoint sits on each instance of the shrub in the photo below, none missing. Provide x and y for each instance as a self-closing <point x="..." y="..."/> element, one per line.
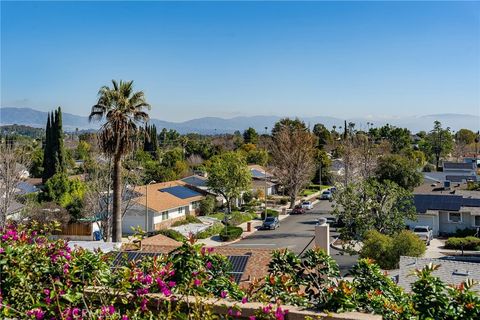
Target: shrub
<point x="237" y="217"/>
<point x="172" y="234"/>
<point x="462" y="233"/>
<point x="230" y="233"/>
<point x="283" y="200"/>
<point x="467" y="243"/>
<point x="207" y="205"/>
<point x="247" y="197"/>
<point x="270" y="213"/>
<point x="188" y="219"/>
<point x="429" y="167"/>
<point x="214" y="229"/>
<point x="386" y="250"/>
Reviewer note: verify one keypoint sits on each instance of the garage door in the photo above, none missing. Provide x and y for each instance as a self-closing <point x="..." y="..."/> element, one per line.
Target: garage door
<point x="425" y="220"/>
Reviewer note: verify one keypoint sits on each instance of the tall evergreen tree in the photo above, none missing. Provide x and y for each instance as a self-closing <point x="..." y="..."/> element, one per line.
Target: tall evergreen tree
<point x="60" y="165"/>
<point x="53" y="152"/>
<point x="47" y="152"/>
<point x="150" y="143"/>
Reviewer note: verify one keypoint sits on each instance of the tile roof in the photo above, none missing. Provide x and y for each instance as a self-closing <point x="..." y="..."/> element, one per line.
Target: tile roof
<point x="257" y="263"/>
<point x="159" y="200"/>
<point x="450" y="271"/>
<point x="160" y="240"/>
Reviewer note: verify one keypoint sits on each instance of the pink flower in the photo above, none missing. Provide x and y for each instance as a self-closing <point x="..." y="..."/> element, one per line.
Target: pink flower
<point x="252" y="318"/>
<point x="2" y="250"/>
<point x="238" y="313"/>
<point x="143" y="304"/>
<point x="244" y="300"/>
<point x="197" y="282"/>
<point x="171" y="284"/>
<point x="210" y="250"/>
<point x="124" y="317"/>
<point x="38" y="313"/>
<point x="208" y="265"/>
<point x="223" y="294"/>
<point x="230" y="312"/>
<point x="111" y="309"/>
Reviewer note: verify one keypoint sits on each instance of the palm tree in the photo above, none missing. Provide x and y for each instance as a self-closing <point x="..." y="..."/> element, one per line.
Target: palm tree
<point x="124" y="112"/>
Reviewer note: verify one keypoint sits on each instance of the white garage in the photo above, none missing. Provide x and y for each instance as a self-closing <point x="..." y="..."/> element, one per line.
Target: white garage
<point x="427" y="219"/>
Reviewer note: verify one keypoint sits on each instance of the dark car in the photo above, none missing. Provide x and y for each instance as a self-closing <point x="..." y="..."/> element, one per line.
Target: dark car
<point x="271" y="223"/>
<point x="298" y="210"/>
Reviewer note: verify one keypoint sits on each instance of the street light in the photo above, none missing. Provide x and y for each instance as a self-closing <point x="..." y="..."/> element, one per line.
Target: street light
<point x="146" y="204"/>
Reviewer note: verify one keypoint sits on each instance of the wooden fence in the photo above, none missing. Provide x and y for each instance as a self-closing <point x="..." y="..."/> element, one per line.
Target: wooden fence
<point x="76" y="229"/>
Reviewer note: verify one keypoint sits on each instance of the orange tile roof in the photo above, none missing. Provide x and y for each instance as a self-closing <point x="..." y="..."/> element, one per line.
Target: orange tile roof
<point x="162" y="201"/>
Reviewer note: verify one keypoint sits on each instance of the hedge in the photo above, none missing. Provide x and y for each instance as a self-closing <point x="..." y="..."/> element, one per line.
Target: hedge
<point x="172" y="234"/>
<point x="270" y="213"/>
<point x="467" y="243"/>
<point x="230" y="233"/>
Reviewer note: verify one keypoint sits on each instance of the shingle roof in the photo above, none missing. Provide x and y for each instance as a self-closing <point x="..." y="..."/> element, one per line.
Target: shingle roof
<point x="424" y="202"/>
<point x="450" y="271"/>
<point x="458" y="165"/>
<point x="161" y="201"/>
<point x="258" y="171"/>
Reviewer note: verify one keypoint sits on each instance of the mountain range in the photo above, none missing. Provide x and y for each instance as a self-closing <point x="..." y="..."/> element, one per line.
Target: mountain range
<point x="212" y="125"/>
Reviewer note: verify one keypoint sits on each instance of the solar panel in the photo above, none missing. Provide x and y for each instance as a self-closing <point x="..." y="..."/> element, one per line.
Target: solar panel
<point x="124" y="258"/>
<point x="238" y="266"/>
<point x="257" y="173"/>
<point x="181" y="192"/>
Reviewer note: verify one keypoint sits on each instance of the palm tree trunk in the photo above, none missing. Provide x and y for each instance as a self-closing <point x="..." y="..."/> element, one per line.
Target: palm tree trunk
<point x="117" y="200"/>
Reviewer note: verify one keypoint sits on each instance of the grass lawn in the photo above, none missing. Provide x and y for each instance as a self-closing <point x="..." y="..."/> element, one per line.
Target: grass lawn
<point x="236" y="217"/>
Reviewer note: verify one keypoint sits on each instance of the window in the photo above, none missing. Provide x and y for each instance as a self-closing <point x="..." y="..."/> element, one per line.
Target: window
<point x="196" y="204"/>
<point x="164" y="215"/>
<point x="476" y="221"/>
<point x="180" y="210"/>
<point x="455" y="217"/>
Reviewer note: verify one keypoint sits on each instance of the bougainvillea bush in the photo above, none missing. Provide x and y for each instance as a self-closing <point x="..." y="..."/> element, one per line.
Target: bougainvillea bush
<point x="45" y="279"/>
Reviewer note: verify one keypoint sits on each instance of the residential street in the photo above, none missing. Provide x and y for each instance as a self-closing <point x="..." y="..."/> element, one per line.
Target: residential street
<point x="295" y="233"/>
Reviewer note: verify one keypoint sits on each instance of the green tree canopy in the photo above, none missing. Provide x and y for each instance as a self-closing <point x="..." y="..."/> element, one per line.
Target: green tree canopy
<point x="465" y="136"/>
<point x="438" y="143"/>
<point x="373" y="205"/>
<point x="400" y="170"/>
<point x="292" y="124"/>
<point x="321" y="132"/>
<point x="250" y="136"/>
<point x="65" y="192"/>
<point x="229" y="176"/>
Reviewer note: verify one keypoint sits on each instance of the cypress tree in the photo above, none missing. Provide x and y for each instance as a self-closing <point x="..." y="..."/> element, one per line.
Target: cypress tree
<point x="47" y="152"/>
<point x="59" y="143"/>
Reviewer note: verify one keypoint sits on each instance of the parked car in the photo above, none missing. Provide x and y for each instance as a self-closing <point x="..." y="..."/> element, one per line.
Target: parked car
<point x="326" y="195"/>
<point x="271" y="223"/>
<point x="307" y="205"/>
<point x="332" y="221"/>
<point x="298" y="210"/>
<point x="333" y="189"/>
<point x="424" y="232"/>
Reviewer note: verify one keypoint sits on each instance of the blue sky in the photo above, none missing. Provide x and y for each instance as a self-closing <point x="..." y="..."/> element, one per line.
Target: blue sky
<point x="194" y="59"/>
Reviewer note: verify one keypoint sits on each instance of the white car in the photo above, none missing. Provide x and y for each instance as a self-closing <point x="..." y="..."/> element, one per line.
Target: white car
<point x="326" y="195"/>
<point x="307" y="205"/>
<point x="424" y="232"/>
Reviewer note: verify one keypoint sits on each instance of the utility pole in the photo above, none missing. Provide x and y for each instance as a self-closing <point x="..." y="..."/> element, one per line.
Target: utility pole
<point x="265" y="169"/>
<point x="320" y="176"/>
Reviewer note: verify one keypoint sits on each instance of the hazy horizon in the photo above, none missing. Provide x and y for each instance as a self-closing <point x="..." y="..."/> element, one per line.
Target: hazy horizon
<point x="384" y="60"/>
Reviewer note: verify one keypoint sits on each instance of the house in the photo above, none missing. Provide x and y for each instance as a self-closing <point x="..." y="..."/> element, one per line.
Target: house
<point x="157" y="206"/>
<point x="446" y="213"/>
<point x="450" y="271"/>
<point x="247" y="263"/>
<point x="262" y="179"/>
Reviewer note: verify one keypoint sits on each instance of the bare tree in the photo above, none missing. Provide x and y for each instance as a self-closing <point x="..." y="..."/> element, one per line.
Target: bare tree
<point x="98" y="198"/>
<point x="13" y="169"/>
<point x="367" y="157"/>
<point x="194" y="161"/>
<point x="459" y="150"/>
<point x="293" y="159"/>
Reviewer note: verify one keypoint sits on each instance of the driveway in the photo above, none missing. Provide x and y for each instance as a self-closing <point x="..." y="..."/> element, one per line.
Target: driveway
<point x="296" y="233"/>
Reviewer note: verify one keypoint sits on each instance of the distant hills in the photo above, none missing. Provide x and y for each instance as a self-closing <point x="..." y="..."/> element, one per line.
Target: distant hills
<point x="211" y="125"/>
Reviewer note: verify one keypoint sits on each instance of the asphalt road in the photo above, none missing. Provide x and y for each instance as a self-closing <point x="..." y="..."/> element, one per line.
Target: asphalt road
<point x="296" y="233"/>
